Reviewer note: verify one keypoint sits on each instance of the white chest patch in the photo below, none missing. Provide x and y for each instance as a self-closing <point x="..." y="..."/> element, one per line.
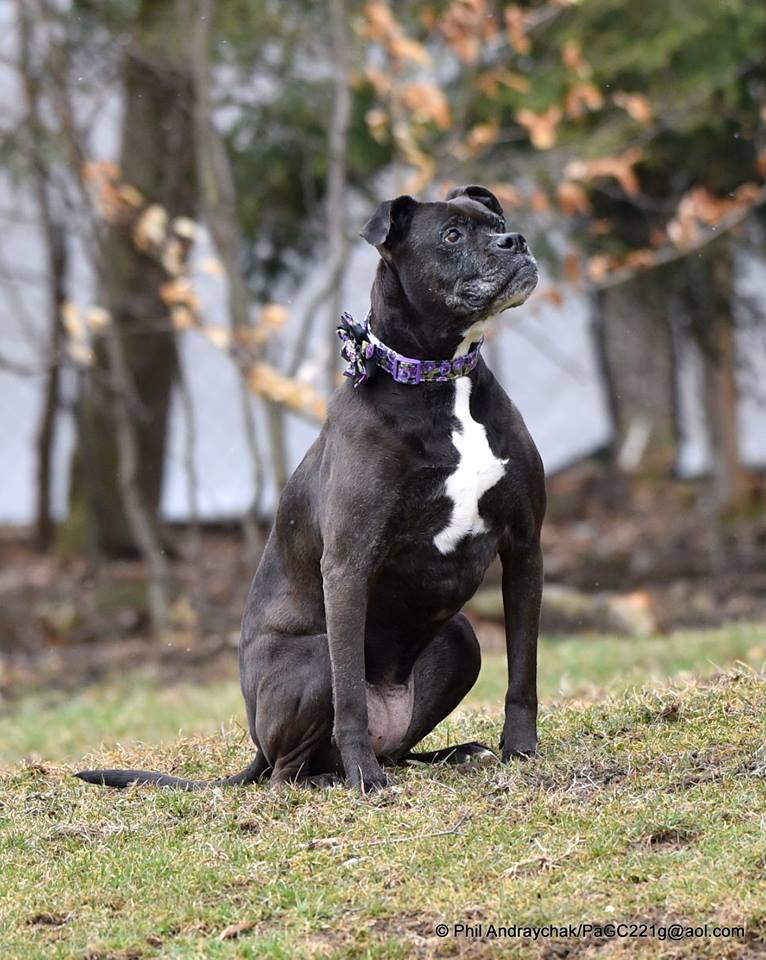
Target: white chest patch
<point x="477" y="471"/>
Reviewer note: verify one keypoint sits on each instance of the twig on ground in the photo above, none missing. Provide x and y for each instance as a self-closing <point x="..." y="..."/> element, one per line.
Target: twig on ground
<point x="340" y="842"/>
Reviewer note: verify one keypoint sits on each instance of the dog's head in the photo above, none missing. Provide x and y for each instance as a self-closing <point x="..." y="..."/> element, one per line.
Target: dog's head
<point x="454" y="257"/>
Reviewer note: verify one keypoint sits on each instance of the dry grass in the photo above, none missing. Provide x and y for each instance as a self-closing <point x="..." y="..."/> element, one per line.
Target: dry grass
<point x="648" y="806"/>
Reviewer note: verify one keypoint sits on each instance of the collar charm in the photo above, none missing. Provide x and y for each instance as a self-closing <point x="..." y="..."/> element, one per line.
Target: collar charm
<point x="357" y="349"/>
<point x="364" y="353"/>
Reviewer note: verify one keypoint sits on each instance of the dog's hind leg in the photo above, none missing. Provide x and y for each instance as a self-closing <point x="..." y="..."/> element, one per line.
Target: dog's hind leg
<point x="289" y="681"/>
<point x="443" y="674"/>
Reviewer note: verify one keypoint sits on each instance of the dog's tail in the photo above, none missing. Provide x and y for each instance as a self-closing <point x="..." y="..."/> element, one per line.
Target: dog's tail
<point x="125" y="778"/>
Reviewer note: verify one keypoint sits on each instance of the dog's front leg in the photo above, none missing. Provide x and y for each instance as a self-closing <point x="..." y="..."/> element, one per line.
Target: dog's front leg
<point x="345" y="597"/>
<point x="522" y="594"/>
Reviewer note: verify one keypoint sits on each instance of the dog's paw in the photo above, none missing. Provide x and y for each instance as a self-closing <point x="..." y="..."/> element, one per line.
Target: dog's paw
<point x="365" y="773"/>
<point x="518" y="747"/>
<point x="518" y="751"/>
<point x="371" y="781"/>
<point x="519" y="738"/>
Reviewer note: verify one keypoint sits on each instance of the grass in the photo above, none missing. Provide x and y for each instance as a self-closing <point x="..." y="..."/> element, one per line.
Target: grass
<point x="645" y="805"/>
<point x="134" y="709"/>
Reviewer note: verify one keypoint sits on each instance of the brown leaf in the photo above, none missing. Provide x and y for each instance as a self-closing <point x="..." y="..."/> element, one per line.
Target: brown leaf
<point x="131" y="195"/>
<point x="405" y="48"/>
<point x="700" y="206"/>
<point x="747" y="194"/>
<point x="380" y="80"/>
<point x="572" y="198"/>
<point x="515" y="22"/>
<point x="463" y="26"/>
<point x="97" y="318"/>
<point x="427" y="102"/>
<point x="181" y="317"/>
<point x="553" y="295"/>
<point x="620" y="167"/>
<point x="380" y="21"/>
<point x="185" y="227"/>
<point x="600" y="227"/>
<point x="542" y="127"/>
<point x="235" y="930"/>
<point x="572" y="266"/>
<point x="641" y="259"/>
<point x="600" y="266"/>
<point x="218" y="336"/>
<point x="266" y="380"/>
<point x="481" y="136"/>
<point x="571" y="54"/>
<point x="428" y="17"/>
<point x="507" y="194"/>
<point x="377" y="123"/>
<point x="97" y="170"/>
<point x="71" y="320"/>
<point x="179" y="291"/>
<point x="274" y="315"/>
<point x="382" y="26"/>
<point x="583" y="97"/>
<point x="150" y="229"/>
<point x="636" y="105"/>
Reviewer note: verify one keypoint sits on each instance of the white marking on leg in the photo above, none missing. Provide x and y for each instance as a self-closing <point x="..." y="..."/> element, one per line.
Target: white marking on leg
<point x="478" y="470"/>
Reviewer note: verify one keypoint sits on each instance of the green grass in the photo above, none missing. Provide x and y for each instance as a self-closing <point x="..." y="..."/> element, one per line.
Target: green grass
<point x="134" y="709"/>
<point x="644" y="805"/>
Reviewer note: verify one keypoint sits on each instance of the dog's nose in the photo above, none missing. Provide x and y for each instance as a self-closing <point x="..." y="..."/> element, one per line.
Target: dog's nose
<point x="513" y="242"/>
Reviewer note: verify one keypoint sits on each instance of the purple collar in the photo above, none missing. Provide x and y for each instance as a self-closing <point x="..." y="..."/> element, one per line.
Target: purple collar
<point x="364" y="353"/>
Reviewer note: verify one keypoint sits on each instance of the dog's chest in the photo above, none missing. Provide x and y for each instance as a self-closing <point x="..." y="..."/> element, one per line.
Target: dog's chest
<point x="477" y="471"/>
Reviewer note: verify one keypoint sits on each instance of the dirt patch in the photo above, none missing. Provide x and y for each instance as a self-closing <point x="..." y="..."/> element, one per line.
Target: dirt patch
<point x="68" y="623"/>
<point x="671" y="838"/>
<point x="48" y="920"/>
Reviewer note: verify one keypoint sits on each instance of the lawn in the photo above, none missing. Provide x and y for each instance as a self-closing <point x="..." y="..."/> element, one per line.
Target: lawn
<point x="646" y="805"/>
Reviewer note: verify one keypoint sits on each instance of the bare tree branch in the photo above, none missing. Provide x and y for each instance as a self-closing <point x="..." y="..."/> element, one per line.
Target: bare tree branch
<point x="140" y="520"/>
<point x="196" y="546"/>
<point x="55" y="248"/>
<point x="218" y="201"/>
<point x="336" y="177"/>
<point x="670" y="253"/>
<point x="122" y="391"/>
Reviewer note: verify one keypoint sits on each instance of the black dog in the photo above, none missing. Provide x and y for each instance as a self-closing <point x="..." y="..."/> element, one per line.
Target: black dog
<point x="353" y="645"/>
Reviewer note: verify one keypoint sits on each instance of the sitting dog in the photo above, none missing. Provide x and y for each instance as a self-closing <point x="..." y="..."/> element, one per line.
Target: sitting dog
<point x="353" y="644"/>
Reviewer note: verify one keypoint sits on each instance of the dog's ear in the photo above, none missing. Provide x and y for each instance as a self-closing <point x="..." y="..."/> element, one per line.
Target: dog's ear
<point x="389" y="221"/>
<point x="481" y="195"/>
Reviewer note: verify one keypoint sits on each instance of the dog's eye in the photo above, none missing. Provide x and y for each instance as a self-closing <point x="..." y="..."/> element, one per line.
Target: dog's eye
<point x="453" y="235"/>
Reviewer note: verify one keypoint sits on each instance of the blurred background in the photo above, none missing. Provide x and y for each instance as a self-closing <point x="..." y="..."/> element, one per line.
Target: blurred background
<point x="182" y="185"/>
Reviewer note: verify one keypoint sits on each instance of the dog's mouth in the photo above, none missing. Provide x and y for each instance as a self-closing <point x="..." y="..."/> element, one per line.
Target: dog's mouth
<point x="519" y="286"/>
<point x="493" y="292"/>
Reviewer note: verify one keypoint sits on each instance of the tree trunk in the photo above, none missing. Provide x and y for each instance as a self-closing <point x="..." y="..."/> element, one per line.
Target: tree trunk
<point x="709" y="296"/>
<point x="219" y="209"/>
<point x="336" y="178"/>
<point x="46" y="434"/>
<point x="157" y="158"/>
<point x="636" y="354"/>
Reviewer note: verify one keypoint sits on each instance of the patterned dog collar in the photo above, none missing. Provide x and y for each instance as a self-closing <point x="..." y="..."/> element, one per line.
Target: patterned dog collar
<point x="364" y="353"/>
